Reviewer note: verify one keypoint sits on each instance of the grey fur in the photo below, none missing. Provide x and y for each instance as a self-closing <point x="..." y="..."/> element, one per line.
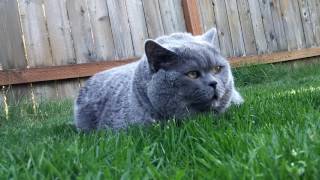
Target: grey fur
<point x="156" y="87"/>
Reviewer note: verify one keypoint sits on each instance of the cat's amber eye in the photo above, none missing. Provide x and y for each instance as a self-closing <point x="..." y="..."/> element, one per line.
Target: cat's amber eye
<point x="216" y="69"/>
<point x="193" y="74"/>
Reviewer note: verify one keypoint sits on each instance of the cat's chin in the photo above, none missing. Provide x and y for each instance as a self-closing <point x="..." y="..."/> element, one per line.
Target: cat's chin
<point x="203" y="106"/>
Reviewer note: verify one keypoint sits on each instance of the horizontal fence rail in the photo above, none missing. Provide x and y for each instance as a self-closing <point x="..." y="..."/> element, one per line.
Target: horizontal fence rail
<point x="33" y="75"/>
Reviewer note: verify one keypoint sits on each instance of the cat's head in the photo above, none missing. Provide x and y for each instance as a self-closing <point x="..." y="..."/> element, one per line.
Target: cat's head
<point x="188" y="74"/>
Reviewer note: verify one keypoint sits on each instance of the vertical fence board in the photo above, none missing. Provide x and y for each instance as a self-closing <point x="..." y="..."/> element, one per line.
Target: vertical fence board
<point x="292" y="24"/>
<point x="37" y="43"/>
<point x="307" y="23"/>
<point x="61" y="43"/>
<point x="11" y="48"/>
<point x="101" y="28"/>
<point x="223" y="28"/>
<point x="170" y="17"/>
<point x="178" y="9"/>
<point x="120" y="28"/>
<point x="235" y="28"/>
<point x="268" y="25"/>
<point x="153" y="18"/>
<point x="207" y="17"/>
<point x="247" y="28"/>
<point x="314" y="6"/>
<point x="81" y="31"/>
<point x="258" y="28"/>
<point x="137" y="25"/>
<point x="278" y="25"/>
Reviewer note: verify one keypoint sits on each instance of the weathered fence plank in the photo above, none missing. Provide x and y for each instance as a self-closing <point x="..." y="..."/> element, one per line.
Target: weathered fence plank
<point x="11" y="48"/>
<point x="223" y="28"/>
<point x="192" y="17"/>
<point x="61" y="43"/>
<point x="153" y="18"/>
<point x="208" y="19"/>
<point x="314" y="6"/>
<point x="178" y="9"/>
<point x="38" y="49"/>
<point x="169" y="15"/>
<point x="81" y="30"/>
<point x="120" y="28"/>
<point x="137" y="24"/>
<point x="247" y="28"/>
<point x="307" y="23"/>
<point x="101" y="29"/>
<point x="235" y="28"/>
<point x="292" y="24"/>
<point x="51" y="73"/>
<point x="268" y="25"/>
<point x="280" y="35"/>
<point x="259" y="33"/>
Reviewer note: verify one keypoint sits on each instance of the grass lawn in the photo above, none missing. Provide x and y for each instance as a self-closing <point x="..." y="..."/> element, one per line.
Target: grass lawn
<point x="274" y="135"/>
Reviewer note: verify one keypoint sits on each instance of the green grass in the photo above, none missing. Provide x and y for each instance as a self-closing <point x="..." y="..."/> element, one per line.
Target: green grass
<point x="274" y="135"/>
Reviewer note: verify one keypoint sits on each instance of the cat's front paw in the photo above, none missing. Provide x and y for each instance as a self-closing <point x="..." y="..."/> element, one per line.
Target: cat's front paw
<point x="236" y="98"/>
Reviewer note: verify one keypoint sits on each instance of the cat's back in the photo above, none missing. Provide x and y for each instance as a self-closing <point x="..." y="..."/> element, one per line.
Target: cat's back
<point x="107" y="89"/>
<point x="110" y="81"/>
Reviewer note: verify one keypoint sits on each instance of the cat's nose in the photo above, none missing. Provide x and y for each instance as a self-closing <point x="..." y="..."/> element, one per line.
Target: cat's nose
<point x="213" y="84"/>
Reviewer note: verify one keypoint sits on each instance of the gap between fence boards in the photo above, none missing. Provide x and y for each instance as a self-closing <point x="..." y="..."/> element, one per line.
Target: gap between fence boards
<point x="32" y="75"/>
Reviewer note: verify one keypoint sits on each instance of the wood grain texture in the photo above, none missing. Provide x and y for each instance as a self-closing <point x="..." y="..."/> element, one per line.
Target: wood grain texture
<point x="11" y="48"/>
<point x="278" y="25"/>
<point x="81" y="30"/>
<point x="31" y="75"/>
<point x="235" y="28"/>
<point x="120" y="28"/>
<point x="292" y="24"/>
<point x="307" y="23"/>
<point x="38" y="50"/>
<point x="207" y="17"/>
<point x="178" y="9"/>
<point x="61" y="43"/>
<point x="265" y="8"/>
<point x="170" y="17"/>
<point x="137" y="24"/>
<point x="101" y="29"/>
<point x="314" y="7"/>
<point x="153" y="18"/>
<point x="247" y="27"/>
<point x="258" y="27"/>
<point x="85" y="70"/>
<point x="191" y="16"/>
<point x="275" y="57"/>
<point x="223" y="28"/>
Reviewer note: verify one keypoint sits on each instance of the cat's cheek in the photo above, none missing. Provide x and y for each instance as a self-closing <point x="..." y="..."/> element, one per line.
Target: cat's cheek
<point x="220" y="91"/>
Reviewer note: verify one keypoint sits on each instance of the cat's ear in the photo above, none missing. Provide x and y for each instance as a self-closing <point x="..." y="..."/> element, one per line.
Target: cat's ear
<point x="159" y="56"/>
<point x="210" y="35"/>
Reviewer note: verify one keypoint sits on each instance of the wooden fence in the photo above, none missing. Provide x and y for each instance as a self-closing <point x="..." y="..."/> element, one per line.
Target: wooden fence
<point x="58" y="42"/>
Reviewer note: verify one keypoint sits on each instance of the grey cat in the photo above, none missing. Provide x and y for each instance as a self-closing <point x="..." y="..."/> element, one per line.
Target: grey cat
<point x="178" y="76"/>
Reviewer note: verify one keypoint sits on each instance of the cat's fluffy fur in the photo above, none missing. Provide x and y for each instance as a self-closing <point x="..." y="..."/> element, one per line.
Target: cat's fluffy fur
<point x="156" y="87"/>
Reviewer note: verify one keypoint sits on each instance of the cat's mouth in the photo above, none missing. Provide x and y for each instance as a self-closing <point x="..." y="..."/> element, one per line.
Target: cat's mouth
<point x="215" y="97"/>
<point x="206" y="105"/>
